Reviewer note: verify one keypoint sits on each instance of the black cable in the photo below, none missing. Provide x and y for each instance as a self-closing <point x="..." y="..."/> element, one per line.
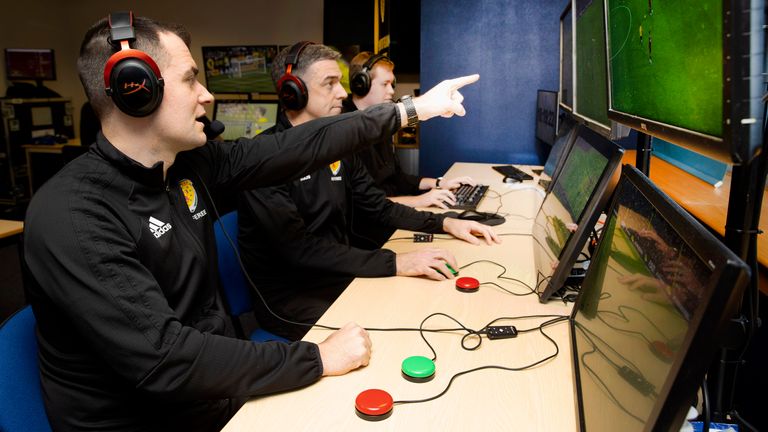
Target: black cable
<point x="501" y="276"/>
<point x="705" y="405"/>
<point x="512" y="369"/>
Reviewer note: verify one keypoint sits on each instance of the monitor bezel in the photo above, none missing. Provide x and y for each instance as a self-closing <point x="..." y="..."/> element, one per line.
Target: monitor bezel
<point x="556" y="114"/>
<point x="589" y="216"/>
<point x="721" y="297"/>
<point x="563" y="16"/>
<point x="615" y="130"/>
<point x="218" y="102"/>
<point x="227" y="47"/>
<point x="37" y="79"/>
<point x="740" y="126"/>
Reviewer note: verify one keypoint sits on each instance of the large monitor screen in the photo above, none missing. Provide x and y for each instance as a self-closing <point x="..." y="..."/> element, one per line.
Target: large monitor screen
<point x="30" y="64"/>
<point x="554" y="164"/>
<point x="668" y="67"/>
<point x="566" y="58"/>
<point x="591" y="74"/>
<point x="571" y="208"/>
<point x="642" y="313"/>
<point x="239" y="69"/>
<point x="546" y="116"/>
<point x="243" y="118"/>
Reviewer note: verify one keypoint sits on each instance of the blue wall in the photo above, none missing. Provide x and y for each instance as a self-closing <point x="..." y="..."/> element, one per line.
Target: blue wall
<point x="514" y="46"/>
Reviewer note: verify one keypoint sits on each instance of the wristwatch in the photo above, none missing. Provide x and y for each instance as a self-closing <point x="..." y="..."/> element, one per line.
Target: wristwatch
<point x="410" y="110"/>
<point x="437" y="182"/>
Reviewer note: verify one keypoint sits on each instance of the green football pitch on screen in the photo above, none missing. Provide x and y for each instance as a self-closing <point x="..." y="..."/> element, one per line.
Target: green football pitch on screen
<point x="666" y="61"/>
<point x="591" y="73"/>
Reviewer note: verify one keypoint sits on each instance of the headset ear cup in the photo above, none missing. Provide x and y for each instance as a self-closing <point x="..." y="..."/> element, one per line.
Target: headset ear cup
<point x="134" y="87"/>
<point x="292" y="92"/>
<point x="360" y="83"/>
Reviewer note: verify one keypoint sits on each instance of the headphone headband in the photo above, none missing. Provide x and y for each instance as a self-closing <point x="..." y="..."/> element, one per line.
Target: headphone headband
<point x="372" y="60"/>
<point x="121" y="27"/>
<point x="292" y="59"/>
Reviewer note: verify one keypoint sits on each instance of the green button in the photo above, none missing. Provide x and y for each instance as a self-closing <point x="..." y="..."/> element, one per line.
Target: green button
<point x="418" y="367"/>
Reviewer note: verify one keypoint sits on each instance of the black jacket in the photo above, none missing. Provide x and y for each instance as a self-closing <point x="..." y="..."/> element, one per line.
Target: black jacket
<point x="295" y="238"/>
<point x="131" y="332"/>
<point x="384" y="166"/>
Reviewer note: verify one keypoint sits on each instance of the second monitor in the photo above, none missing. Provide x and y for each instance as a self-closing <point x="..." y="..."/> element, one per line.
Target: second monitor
<point x="245" y="118"/>
<point x="571" y="208"/>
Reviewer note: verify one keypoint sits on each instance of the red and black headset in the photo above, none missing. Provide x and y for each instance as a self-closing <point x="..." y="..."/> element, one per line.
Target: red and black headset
<point x="360" y="81"/>
<point x="291" y="90"/>
<point x="131" y="78"/>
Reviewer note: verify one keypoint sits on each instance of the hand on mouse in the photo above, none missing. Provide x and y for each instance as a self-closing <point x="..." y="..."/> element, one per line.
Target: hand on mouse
<point x="426" y="262"/>
<point x="469" y="231"/>
<point x="345" y="349"/>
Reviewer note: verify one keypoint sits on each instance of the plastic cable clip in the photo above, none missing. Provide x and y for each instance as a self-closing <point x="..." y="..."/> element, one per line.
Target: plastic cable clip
<point x="501" y="332"/>
<point x="422" y="238"/>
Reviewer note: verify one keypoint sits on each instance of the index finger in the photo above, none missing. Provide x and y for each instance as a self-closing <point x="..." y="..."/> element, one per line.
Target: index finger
<point x="460" y="82"/>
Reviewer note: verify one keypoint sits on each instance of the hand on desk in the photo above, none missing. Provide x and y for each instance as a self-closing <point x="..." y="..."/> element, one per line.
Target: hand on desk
<point x="345" y="349"/>
<point x="426" y="262"/>
<point x="469" y="231"/>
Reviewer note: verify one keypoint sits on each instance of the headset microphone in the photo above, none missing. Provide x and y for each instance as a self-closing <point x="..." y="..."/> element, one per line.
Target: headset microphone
<point x="212" y="129"/>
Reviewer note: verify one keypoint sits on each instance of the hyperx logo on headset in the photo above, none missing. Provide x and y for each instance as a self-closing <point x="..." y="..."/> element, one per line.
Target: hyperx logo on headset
<point x="135" y="87"/>
<point x="129" y="71"/>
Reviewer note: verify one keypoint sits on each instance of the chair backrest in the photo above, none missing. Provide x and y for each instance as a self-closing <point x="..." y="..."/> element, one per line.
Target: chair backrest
<point x="21" y="400"/>
<point x="236" y="291"/>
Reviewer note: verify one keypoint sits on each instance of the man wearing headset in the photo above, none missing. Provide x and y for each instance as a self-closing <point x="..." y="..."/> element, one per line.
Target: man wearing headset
<point x="295" y="238"/>
<point x="372" y="81"/>
<point x="120" y="248"/>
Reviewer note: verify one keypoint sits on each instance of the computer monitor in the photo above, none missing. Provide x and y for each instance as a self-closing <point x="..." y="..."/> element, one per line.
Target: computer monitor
<point x="546" y="116"/>
<point x="566" y="58"/>
<point x="239" y="69"/>
<point x="590" y="104"/>
<point x="698" y="89"/>
<point x="655" y="302"/>
<point x="570" y="210"/>
<point x="30" y="64"/>
<point x="245" y="118"/>
<point x="565" y="135"/>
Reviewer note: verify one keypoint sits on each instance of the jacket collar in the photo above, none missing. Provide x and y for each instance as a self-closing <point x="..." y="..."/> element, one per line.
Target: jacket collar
<point x="152" y="176"/>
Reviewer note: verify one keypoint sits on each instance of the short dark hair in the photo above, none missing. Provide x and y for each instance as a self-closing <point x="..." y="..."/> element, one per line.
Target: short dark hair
<point x="96" y="50"/>
<point x="311" y="54"/>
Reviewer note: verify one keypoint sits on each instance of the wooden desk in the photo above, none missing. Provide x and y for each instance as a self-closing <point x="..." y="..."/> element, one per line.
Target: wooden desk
<point x="704" y="201"/>
<point x="541" y="398"/>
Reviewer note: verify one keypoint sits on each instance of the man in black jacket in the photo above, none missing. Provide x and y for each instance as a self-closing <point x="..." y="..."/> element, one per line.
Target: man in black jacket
<point x="295" y="238"/>
<point x="372" y="81"/>
<point x="120" y="245"/>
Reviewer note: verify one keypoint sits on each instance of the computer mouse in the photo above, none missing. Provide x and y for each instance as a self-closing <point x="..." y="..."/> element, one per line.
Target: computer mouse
<point x="490" y="219"/>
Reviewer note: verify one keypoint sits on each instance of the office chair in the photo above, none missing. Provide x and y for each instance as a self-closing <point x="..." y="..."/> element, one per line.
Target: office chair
<point x="237" y="293"/>
<point x="21" y="400"/>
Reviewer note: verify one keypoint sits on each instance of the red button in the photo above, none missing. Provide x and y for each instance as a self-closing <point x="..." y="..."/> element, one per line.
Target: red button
<point x="374" y="402"/>
<point x="467" y="284"/>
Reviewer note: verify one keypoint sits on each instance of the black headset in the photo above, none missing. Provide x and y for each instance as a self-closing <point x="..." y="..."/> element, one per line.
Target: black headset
<point x="131" y="78"/>
<point x="360" y="81"/>
<point x="291" y="90"/>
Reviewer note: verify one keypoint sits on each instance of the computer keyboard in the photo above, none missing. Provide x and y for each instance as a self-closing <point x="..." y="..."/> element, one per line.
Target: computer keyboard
<point x="509" y="171"/>
<point x="468" y="196"/>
